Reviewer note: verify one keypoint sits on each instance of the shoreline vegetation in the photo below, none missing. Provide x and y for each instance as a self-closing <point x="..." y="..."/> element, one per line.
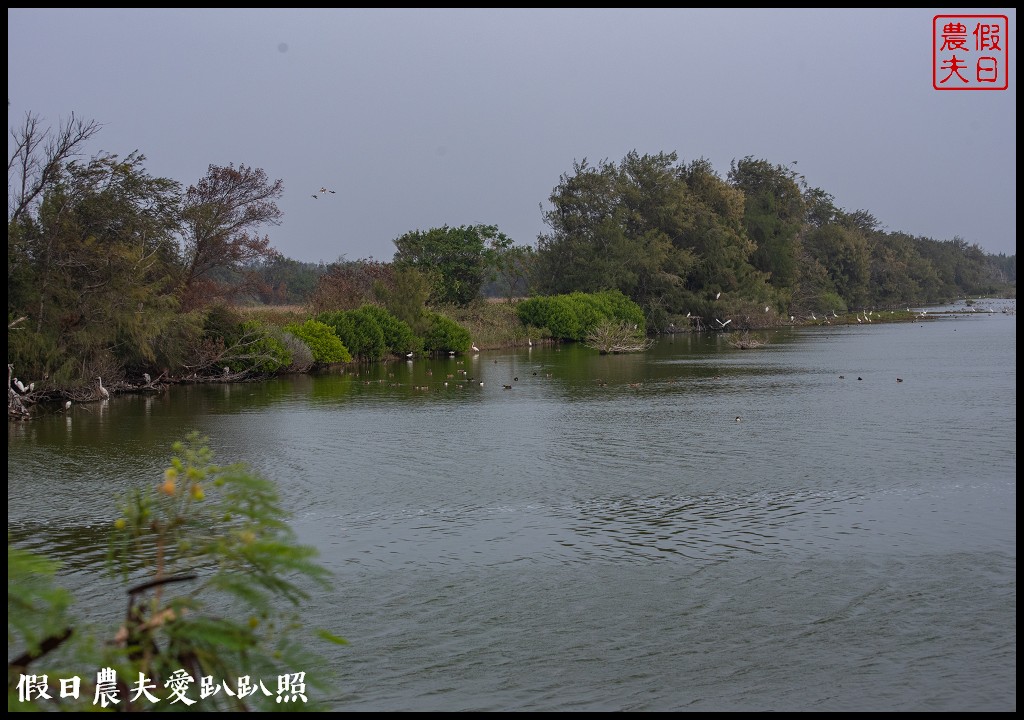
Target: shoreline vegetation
<point x="493" y="324"/>
<point x="119" y="281"/>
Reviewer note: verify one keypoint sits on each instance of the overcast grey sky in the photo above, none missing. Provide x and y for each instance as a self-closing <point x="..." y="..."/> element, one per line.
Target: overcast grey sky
<point x="420" y="118"/>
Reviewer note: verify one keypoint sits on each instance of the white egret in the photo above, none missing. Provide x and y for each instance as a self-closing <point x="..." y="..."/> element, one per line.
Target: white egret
<point x="475" y="348"/>
<point x="147" y="378"/>
<point x="18" y="384"/>
<point x="67" y="406"/>
<point x="103" y="391"/>
<point x="718" y="295"/>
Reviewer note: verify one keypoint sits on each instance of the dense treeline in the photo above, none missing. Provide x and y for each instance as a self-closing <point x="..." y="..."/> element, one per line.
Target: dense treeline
<point x="114" y="273"/>
<point x="678" y="238"/>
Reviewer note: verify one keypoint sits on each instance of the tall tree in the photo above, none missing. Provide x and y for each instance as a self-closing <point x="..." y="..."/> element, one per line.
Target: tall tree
<point x="453" y="258"/>
<point x="95" y="281"/>
<point x="617" y="227"/>
<point x="714" y="231"/>
<point x="842" y="248"/>
<point x="405" y="297"/>
<point x="774" y="213"/>
<point x="221" y="215"/>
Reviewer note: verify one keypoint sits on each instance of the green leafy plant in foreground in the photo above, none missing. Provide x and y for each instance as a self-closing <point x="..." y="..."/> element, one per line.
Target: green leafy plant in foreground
<point x="215" y="581"/>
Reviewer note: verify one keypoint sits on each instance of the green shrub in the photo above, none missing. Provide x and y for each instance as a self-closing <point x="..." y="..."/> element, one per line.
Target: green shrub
<point x="398" y="335"/>
<point x="575" y="315"/>
<point x="371" y="332"/>
<point x="257" y="351"/>
<point x="325" y="344"/>
<point x="445" y="335"/>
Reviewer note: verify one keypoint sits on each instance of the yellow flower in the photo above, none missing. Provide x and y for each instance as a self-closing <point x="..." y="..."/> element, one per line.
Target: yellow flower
<point x="170" y="482"/>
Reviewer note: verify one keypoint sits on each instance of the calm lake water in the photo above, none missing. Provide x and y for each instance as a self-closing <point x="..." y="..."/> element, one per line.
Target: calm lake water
<point x="605" y="535"/>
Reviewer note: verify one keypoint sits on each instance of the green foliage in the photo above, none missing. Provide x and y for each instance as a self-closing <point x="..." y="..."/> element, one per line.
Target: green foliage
<point x="774" y="213"/>
<point x="222" y="321"/>
<point x="327" y="348"/>
<point x="371" y="332"/>
<point x="843" y="250"/>
<point x="654" y="230"/>
<point x="93" y="269"/>
<point x="105" y="261"/>
<point x="831" y="302"/>
<point x="36" y="606"/>
<point x="258" y="351"/>
<point x="445" y="335"/>
<point x="406" y="298"/>
<point x="359" y="332"/>
<point x="574" y="316"/>
<point x="398" y="335"/>
<point x="455" y="259"/>
<point x="214" y="579"/>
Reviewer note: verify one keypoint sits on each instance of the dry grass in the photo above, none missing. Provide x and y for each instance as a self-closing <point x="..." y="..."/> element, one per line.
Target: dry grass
<point x="494" y="324"/>
<point x="277" y="315"/>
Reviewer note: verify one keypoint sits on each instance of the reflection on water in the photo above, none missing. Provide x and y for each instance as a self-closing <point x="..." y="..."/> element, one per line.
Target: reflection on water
<point x="696" y="527"/>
